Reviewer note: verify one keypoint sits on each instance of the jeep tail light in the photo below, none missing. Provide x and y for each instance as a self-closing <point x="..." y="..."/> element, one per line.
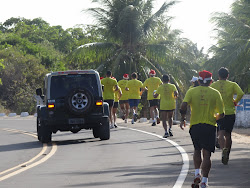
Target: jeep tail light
<point x="99" y="103"/>
<point x="51" y="106"/>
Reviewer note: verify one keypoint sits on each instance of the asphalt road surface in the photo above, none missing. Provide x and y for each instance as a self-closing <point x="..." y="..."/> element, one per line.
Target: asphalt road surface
<point x="135" y="156"/>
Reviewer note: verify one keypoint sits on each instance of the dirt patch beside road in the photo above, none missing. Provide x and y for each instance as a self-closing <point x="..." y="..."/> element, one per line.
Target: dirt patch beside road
<point x="241" y="135"/>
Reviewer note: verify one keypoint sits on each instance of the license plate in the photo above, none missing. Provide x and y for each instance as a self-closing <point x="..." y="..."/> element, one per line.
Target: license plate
<point x="76" y="121"/>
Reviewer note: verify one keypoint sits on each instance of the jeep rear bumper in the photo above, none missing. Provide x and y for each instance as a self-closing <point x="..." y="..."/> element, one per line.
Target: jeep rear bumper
<point x="71" y="123"/>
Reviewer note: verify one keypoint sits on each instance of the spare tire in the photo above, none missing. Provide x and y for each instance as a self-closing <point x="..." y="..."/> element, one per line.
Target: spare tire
<point x="80" y="101"/>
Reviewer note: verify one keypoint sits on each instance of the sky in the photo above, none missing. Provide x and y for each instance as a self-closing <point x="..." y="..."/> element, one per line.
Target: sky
<point x="190" y="16"/>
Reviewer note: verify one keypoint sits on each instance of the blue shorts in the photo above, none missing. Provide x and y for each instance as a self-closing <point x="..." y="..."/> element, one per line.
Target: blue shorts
<point x="134" y="102"/>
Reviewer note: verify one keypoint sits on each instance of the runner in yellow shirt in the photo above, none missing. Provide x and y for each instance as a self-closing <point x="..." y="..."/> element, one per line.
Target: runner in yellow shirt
<point x="205" y="103"/>
<point x="151" y="84"/>
<point x="168" y="93"/>
<point x="110" y="85"/>
<point x="118" y="94"/>
<point x="124" y="98"/>
<point x="227" y="90"/>
<point x="134" y="87"/>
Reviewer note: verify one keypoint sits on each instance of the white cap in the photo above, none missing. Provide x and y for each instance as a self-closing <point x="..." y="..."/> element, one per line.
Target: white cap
<point x="194" y="79"/>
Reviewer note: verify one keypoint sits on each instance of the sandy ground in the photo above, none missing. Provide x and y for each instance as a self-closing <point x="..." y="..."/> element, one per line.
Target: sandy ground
<point x="241" y="135"/>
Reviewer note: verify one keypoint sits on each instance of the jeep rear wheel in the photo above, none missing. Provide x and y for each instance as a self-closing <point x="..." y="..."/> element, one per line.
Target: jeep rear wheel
<point x="38" y="129"/>
<point x="80" y="101"/>
<point x="104" y="130"/>
<point x="43" y="132"/>
<point x="95" y="132"/>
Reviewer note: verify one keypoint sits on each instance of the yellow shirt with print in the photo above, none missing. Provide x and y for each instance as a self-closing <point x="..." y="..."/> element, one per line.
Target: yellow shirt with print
<point x="167" y="99"/>
<point x="109" y="83"/>
<point x="117" y="94"/>
<point x="152" y="84"/>
<point x="134" y="89"/>
<point x="205" y="103"/>
<point x="122" y="84"/>
<point x="227" y="90"/>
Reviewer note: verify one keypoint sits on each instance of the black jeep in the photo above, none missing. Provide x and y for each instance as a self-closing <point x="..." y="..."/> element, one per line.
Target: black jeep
<point x="72" y="101"/>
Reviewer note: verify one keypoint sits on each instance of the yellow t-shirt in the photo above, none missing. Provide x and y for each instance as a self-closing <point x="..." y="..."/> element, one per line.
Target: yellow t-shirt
<point x="227" y="90"/>
<point x="109" y="83"/>
<point x="134" y="89"/>
<point x="204" y="102"/>
<point x="117" y="93"/>
<point x="152" y="84"/>
<point x="122" y="84"/>
<point x="167" y="101"/>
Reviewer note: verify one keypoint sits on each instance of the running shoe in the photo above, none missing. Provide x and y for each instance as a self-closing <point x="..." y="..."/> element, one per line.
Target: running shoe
<point x="123" y="117"/>
<point x="135" y="117"/>
<point x="203" y="185"/>
<point x="158" y="120"/>
<point x="126" y="121"/>
<point x="132" y="121"/>
<point x="166" y="135"/>
<point x="225" y="156"/>
<point x="197" y="180"/>
<point x="115" y="125"/>
<point x="170" y="132"/>
<point x="111" y="126"/>
<point x="153" y="124"/>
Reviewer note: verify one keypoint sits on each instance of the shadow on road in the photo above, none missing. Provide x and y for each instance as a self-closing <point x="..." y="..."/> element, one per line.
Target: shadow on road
<point x="21" y="146"/>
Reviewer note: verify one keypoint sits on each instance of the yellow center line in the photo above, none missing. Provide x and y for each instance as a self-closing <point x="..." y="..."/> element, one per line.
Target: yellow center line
<point x="50" y="154"/>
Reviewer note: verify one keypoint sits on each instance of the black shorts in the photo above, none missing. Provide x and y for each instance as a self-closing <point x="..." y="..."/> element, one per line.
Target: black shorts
<point x="123" y="101"/>
<point x="203" y="136"/>
<point x="115" y="105"/>
<point x="110" y="102"/>
<point x="227" y="123"/>
<point x="154" y="102"/>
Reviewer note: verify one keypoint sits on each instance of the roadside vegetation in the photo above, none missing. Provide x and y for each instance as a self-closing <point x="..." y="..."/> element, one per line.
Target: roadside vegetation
<point x="128" y="36"/>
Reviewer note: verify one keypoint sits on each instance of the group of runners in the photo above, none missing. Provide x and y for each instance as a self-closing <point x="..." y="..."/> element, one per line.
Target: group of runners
<point x="128" y="94"/>
<point x="212" y="107"/>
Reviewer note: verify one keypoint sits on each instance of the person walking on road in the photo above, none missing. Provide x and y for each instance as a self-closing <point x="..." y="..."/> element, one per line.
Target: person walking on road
<point x="205" y="102"/>
<point x="110" y="85"/>
<point x="227" y="90"/>
<point x="194" y="82"/>
<point x="124" y="98"/>
<point x="118" y="94"/>
<point x="151" y="84"/>
<point x="134" y="87"/>
<point x="168" y="93"/>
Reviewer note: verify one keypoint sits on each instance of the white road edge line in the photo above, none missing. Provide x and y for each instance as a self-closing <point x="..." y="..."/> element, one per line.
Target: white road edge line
<point x="185" y="167"/>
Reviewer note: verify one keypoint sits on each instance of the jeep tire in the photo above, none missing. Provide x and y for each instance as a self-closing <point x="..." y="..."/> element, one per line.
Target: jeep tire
<point x="43" y="132"/>
<point x="104" y="129"/>
<point x="80" y="101"/>
<point x="96" y="132"/>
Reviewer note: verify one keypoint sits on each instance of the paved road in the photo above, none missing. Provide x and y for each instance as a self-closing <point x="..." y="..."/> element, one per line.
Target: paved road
<point x="129" y="159"/>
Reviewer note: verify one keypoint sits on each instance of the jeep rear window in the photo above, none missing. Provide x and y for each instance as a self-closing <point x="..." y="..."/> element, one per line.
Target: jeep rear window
<point x="62" y="85"/>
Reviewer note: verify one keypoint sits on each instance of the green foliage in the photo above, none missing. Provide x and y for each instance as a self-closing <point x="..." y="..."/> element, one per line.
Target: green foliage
<point x="28" y="50"/>
<point x="233" y="47"/>
<point x="1" y="69"/>
<point x="21" y="76"/>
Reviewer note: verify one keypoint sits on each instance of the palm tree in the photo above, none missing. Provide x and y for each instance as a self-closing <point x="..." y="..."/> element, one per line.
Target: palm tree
<point x="133" y="39"/>
<point x="128" y="27"/>
<point x="233" y="48"/>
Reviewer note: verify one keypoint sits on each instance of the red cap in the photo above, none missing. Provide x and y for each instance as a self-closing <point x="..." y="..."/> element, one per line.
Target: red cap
<point x="126" y="76"/>
<point x="205" y="76"/>
<point x="101" y="78"/>
<point x="152" y="72"/>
